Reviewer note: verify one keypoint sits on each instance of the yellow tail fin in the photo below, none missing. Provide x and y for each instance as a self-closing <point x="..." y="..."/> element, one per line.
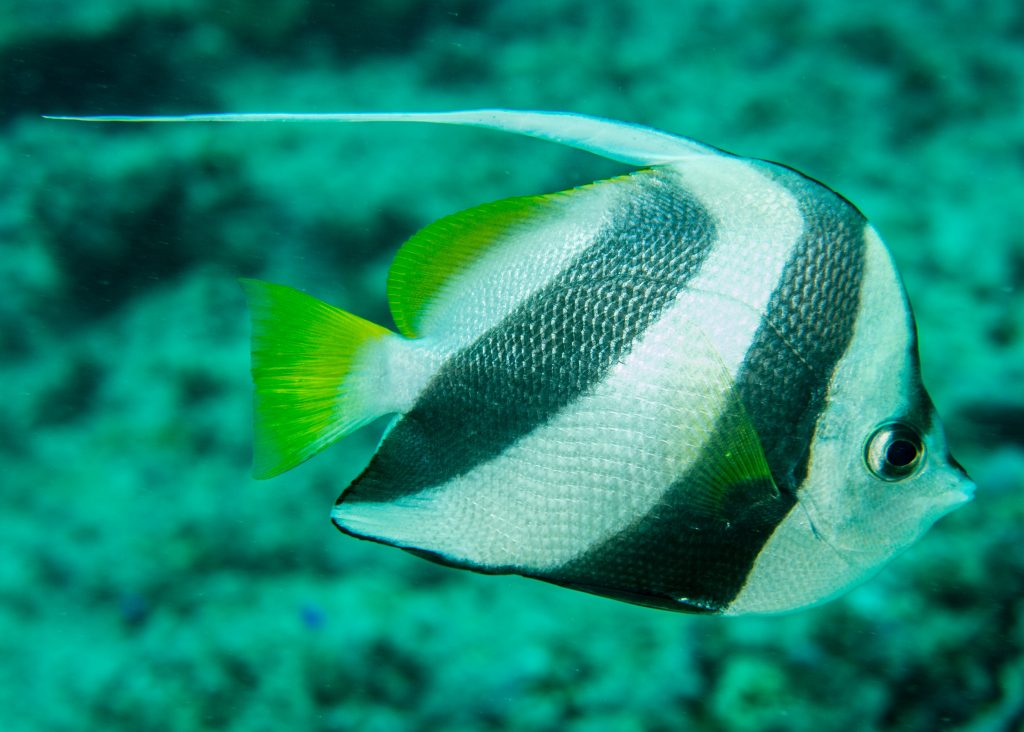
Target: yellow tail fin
<point x="313" y="370"/>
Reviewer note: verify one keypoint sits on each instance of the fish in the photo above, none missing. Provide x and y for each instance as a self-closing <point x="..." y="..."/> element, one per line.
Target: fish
<point x="694" y="387"/>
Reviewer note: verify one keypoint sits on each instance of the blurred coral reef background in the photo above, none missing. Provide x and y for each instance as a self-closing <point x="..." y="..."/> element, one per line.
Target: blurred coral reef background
<point x="147" y="583"/>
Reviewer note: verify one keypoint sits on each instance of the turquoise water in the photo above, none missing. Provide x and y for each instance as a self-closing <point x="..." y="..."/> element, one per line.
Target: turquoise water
<point x="147" y="583"/>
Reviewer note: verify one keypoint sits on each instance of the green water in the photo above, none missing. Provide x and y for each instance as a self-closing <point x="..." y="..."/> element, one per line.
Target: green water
<point x="147" y="583"/>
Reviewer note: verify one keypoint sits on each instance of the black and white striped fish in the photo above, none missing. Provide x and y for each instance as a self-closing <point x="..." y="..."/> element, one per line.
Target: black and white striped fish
<point x="694" y="387"/>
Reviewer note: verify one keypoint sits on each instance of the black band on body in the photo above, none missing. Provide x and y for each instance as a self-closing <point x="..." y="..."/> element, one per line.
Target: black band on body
<point x="673" y="557"/>
<point x="679" y="557"/>
<point x="552" y="348"/>
<point x="807" y="327"/>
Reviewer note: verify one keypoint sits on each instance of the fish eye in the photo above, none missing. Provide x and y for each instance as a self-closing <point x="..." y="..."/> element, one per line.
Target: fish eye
<point x="894" y="451"/>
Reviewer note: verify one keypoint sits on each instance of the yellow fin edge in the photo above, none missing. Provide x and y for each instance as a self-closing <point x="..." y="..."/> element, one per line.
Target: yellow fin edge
<point x="437" y="254"/>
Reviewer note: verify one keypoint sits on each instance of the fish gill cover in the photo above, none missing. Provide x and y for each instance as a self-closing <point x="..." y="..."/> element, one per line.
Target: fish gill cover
<point x="146" y="583"/>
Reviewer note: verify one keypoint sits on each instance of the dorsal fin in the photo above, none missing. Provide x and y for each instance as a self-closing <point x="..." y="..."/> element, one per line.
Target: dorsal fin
<point x="469" y="269"/>
<point x="432" y="259"/>
<point x="621" y="141"/>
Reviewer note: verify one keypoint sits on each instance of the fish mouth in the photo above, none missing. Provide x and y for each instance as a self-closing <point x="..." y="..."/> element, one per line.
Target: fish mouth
<point x="964" y="496"/>
<point x="963" y="488"/>
<point x="955" y="464"/>
<point x="961" y="492"/>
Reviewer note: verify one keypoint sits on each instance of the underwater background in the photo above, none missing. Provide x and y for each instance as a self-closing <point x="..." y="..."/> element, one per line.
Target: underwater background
<point x="148" y="583"/>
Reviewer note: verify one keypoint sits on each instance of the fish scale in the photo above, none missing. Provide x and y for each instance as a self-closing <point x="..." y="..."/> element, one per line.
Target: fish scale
<point x="506" y="370"/>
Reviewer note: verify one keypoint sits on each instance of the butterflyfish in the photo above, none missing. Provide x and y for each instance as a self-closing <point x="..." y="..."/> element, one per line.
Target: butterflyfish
<point x="693" y="387"/>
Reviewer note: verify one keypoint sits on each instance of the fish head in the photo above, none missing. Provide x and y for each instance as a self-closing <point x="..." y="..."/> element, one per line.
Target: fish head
<point x="880" y="472"/>
<point x="877" y="470"/>
<point x="879" y="483"/>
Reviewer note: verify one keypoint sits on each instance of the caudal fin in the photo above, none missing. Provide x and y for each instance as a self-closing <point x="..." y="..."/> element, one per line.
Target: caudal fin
<point x="315" y="370"/>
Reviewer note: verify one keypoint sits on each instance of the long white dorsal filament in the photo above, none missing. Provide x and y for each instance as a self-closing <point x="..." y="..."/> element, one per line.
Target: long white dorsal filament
<point x="621" y="141"/>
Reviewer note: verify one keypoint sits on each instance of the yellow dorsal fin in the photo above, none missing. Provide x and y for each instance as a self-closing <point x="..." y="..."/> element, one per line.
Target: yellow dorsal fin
<point x="436" y="255"/>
